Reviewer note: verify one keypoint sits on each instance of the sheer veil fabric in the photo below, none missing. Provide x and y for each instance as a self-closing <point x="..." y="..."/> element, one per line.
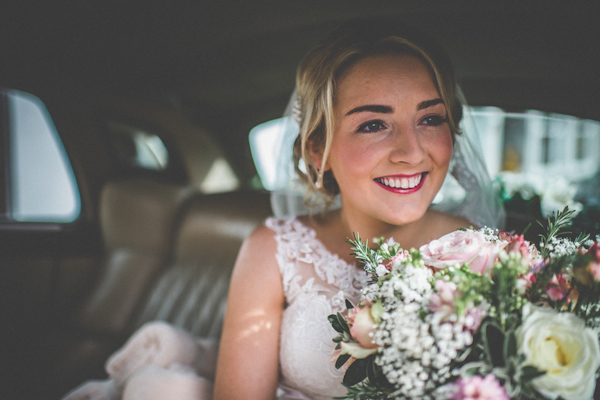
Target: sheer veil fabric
<point x="467" y="191"/>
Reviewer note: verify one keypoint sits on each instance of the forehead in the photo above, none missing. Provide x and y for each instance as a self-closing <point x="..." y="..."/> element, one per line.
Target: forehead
<point x="383" y="76"/>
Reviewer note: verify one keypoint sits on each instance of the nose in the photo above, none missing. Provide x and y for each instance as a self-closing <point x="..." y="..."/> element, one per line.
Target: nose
<point x="407" y="147"/>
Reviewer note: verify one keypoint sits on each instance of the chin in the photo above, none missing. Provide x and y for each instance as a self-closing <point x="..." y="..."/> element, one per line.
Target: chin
<point x="402" y="217"/>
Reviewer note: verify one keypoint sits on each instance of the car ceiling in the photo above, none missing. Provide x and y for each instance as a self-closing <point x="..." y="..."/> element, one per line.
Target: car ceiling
<point x="237" y="59"/>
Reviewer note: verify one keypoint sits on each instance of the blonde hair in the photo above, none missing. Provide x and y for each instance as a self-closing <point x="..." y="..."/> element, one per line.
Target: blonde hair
<point x="322" y="66"/>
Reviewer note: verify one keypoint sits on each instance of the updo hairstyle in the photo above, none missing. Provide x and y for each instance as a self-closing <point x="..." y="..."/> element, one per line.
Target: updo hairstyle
<point x="316" y="82"/>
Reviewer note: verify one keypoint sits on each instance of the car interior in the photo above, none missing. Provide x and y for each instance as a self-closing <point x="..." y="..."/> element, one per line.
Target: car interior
<point x="130" y="177"/>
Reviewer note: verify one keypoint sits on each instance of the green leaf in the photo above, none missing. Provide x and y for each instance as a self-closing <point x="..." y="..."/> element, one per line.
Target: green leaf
<point x="343" y="323"/>
<point x="493" y="342"/>
<point x="341" y="360"/>
<point x="510" y="344"/>
<point x="371" y="369"/>
<point x="529" y="373"/>
<point x="349" y="305"/>
<point x="356" y="372"/>
<point x="335" y="323"/>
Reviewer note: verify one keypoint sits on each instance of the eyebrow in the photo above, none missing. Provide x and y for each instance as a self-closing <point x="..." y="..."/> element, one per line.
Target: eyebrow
<point x="429" y="103"/>
<point x="372" y="108"/>
<point x="389" y="110"/>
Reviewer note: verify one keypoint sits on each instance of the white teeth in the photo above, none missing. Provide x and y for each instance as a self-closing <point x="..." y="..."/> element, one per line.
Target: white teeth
<point x="404" y="183"/>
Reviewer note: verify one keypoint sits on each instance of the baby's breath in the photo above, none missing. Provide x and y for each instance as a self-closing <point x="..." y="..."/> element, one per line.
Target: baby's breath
<point x="434" y="326"/>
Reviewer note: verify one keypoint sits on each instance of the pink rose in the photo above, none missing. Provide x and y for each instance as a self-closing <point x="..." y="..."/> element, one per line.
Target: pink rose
<point x="399" y="257"/>
<point x="363" y="326"/>
<point x="518" y="244"/>
<point x="462" y="247"/>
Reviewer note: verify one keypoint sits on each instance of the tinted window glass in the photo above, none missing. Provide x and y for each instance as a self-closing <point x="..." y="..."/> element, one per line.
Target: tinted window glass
<point x="138" y="147"/>
<point x="41" y="183"/>
<point x="547" y="156"/>
<point x="550" y="158"/>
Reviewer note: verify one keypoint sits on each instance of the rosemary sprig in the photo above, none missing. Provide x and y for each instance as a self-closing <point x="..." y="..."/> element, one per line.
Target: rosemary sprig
<point x="556" y="223"/>
<point x="367" y="256"/>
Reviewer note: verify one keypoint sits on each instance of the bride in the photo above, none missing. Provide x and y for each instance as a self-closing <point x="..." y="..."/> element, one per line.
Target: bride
<point x="374" y="127"/>
<point x="378" y="119"/>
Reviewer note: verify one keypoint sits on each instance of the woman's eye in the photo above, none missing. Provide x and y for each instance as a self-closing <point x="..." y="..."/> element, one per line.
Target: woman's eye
<point x="434" y="120"/>
<point x="371" y="126"/>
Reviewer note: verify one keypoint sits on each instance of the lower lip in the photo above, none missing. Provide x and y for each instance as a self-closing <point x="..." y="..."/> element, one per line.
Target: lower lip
<point x="404" y="191"/>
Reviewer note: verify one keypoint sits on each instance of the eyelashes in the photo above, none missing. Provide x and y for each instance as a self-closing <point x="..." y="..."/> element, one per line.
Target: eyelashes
<point x="377" y="125"/>
<point x="371" y="126"/>
<point x="434" y="120"/>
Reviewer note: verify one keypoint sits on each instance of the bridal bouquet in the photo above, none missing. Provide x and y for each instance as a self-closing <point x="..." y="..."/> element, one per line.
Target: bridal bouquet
<point x="476" y="314"/>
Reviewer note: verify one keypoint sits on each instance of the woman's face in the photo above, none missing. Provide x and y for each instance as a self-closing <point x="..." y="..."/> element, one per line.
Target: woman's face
<point x="392" y="143"/>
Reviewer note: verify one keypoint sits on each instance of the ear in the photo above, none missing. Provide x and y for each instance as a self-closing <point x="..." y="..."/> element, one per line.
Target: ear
<point x="316" y="154"/>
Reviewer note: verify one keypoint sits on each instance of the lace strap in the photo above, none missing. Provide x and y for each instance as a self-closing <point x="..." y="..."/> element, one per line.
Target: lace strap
<point x="298" y="244"/>
<point x="293" y="242"/>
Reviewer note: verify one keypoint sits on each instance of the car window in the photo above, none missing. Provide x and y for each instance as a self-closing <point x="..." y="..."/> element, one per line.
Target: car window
<point x="138" y="147"/>
<point x="539" y="156"/>
<point x="533" y="156"/>
<point x="39" y="180"/>
<point x="265" y="146"/>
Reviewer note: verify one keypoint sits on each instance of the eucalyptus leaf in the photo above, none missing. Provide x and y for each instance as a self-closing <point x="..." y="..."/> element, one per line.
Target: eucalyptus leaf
<point x="349" y="305"/>
<point x="493" y="343"/>
<point x="333" y="320"/>
<point x="343" y="323"/>
<point x="529" y="373"/>
<point x="356" y="372"/>
<point x="371" y="369"/>
<point x="510" y="344"/>
<point x="341" y="360"/>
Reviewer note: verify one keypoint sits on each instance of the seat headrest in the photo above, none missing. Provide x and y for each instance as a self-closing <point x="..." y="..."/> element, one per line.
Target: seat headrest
<point x="139" y="214"/>
<point x="212" y="224"/>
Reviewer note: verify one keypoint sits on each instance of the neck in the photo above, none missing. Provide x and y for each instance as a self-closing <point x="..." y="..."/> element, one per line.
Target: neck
<point x="411" y="235"/>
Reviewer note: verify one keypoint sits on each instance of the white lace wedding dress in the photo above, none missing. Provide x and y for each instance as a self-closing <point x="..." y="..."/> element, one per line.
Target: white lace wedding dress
<point x="316" y="284"/>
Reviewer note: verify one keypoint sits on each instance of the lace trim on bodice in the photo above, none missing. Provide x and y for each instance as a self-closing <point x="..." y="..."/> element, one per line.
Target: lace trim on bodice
<point x="316" y="283"/>
<point x="297" y="244"/>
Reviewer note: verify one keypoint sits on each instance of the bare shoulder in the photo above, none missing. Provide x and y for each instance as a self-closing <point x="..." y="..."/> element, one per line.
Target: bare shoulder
<point x="256" y="276"/>
<point x="258" y="251"/>
<point x="262" y="235"/>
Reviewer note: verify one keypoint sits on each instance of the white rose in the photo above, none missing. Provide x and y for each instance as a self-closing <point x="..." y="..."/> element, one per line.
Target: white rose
<point x="561" y="345"/>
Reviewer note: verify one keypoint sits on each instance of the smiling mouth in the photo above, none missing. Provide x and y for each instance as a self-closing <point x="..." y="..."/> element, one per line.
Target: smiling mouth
<point x="401" y="182"/>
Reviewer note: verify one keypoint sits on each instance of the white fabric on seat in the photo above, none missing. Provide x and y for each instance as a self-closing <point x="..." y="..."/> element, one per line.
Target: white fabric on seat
<point x="158" y="362"/>
<point x="176" y="382"/>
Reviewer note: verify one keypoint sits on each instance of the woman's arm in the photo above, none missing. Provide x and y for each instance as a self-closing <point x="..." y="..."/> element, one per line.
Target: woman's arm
<point x="248" y="364"/>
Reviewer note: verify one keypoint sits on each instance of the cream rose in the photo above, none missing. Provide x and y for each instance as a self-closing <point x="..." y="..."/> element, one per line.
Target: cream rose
<point x="462" y="247"/>
<point x="363" y="327"/>
<point x="561" y="345"/>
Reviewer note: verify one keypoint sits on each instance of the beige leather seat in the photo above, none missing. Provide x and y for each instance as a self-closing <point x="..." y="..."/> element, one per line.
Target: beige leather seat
<point x="169" y="256"/>
<point x="138" y="221"/>
<point x="191" y="293"/>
